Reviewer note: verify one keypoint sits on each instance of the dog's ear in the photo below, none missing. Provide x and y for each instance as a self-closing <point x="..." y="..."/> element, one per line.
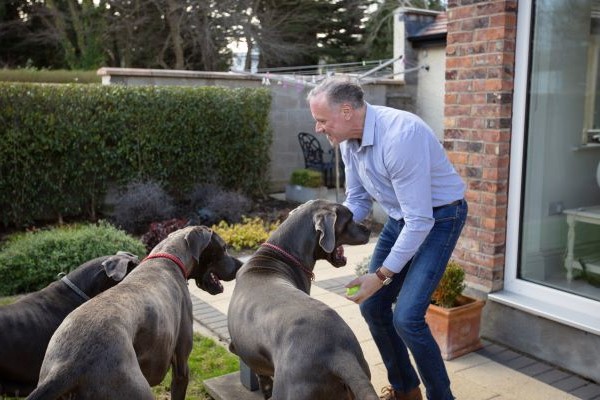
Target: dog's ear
<point x="325" y="224"/>
<point x="197" y="239"/>
<point x="116" y="267"/>
<point x="133" y="257"/>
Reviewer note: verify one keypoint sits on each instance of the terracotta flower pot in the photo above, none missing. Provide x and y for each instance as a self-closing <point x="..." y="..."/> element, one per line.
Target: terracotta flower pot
<point x="456" y="329"/>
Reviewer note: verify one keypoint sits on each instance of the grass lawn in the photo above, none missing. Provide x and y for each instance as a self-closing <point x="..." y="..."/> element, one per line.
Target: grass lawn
<point x="208" y="360"/>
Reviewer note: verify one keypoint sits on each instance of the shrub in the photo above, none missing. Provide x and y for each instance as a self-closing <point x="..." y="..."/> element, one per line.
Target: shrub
<point x="307" y="178"/>
<point x="229" y="206"/>
<point x="30" y="261"/>
<point x="363" y="266"/>
<point x="201" y="193"/>
<point x="213" y="204"/>
<point x="160" y="230"/>
<point x="450" y="287"/>
<point x="247" y="235"/>
<point x="141" y="203"/>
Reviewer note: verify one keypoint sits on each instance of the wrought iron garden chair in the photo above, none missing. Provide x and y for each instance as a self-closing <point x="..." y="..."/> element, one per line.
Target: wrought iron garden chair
<point x="314" y="158"/>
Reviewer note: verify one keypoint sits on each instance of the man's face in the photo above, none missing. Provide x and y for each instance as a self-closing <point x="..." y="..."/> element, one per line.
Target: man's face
<point x="330" y="120"/>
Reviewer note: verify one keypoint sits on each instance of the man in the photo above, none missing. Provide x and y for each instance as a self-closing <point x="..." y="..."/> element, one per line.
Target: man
<point x="393" y="157"/>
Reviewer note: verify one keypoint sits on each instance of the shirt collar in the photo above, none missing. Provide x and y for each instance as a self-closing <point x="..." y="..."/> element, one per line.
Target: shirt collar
<point x="369" y="128"/>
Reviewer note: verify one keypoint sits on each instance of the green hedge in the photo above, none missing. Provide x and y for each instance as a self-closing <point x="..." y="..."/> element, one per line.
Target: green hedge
<point x="49" y="76"/>
<point x="61" y="145"/>
<point x="30" y="261"/>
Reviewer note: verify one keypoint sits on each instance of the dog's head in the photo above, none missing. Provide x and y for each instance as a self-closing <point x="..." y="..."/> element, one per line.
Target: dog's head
<point x="102" y="273"/>
<point x="334" y="227"/>
<point x="214" y="263"/>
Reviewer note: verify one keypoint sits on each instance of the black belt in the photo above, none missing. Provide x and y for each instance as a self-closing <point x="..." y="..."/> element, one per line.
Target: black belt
<point x="454" y="203"/>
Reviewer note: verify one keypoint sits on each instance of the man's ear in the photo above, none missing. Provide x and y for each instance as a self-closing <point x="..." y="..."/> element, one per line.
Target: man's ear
<point x="346" y="111"/>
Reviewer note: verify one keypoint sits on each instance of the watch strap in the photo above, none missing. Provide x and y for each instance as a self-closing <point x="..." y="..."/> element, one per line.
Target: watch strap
<point x="385" y="280"/>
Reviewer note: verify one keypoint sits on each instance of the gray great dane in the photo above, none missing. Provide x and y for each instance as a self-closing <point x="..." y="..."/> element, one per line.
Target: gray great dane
<point x="299" y="347"/>
<point x="28" y="324"/>
<point x="122" y="342"/>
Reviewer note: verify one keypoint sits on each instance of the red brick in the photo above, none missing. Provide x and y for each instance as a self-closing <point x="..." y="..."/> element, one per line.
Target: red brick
<point x="486" y="110"/>
<point x="459" y="37"/>
<point x="451" y="98"/>
<point x="456" y="110"/>
<point x="485" y="35"/>
<point x="472" y="73"/>
<point x="455" y="14"/>
<point x="472" y="98"/>
<point x="503" y="20"/>
<point x="458" y="158"/>
<point x="459" y="86"/>
<point x="459" y="62"/>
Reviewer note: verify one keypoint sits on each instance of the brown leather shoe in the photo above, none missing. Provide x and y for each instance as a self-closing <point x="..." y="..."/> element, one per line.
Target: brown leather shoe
<point x="387" y="393"/>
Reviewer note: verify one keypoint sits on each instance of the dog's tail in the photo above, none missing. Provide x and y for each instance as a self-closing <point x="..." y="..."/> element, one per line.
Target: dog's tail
<point x="356" y="375"/>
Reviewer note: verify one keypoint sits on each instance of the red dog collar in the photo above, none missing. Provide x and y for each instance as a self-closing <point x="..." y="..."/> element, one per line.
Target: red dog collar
<point x="171" y="257"/>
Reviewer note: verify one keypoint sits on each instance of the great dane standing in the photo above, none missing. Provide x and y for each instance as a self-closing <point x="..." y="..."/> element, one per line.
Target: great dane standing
<point x="27" y="325"/>
<point x="299" y="347"/>
<point x="122" y="342"/>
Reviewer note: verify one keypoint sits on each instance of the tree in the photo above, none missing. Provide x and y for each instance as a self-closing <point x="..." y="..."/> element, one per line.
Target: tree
<point x="88" y="34"/>
<point x="171" y="34"/>
<point x="301" y="32"/>
<point x="191" y="34"/>
<point x="343" y="33"/>
<point x="78" y="28"/>
<point x="21" y="43"/>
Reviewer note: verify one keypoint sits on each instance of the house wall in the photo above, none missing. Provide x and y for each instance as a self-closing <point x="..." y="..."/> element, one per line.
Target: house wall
<point x="430" y="92"/>
<point x="425" y="87"/>
<point x="478" y="103"/>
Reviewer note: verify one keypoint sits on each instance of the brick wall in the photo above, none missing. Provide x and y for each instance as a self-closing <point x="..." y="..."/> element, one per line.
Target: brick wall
<point x="478" y="110"/>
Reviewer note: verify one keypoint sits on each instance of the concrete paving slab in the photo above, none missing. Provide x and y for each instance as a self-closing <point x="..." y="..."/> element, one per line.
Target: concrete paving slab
<point x="588" y="392"/>
<point x="228" y="387"/>
<point x="570" y="383"/>
<point x="501" y="379"/>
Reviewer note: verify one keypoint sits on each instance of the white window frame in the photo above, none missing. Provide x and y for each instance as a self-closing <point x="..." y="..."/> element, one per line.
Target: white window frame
<point x="553" y="304"/>
<point x="590" y="95"/>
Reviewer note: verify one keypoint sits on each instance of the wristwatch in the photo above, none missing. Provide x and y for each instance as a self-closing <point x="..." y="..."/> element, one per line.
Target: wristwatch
<point x="385" y="280"/>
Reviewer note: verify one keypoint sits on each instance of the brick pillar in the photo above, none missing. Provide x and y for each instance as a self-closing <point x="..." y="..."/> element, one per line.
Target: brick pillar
<point x="480" y="56"/>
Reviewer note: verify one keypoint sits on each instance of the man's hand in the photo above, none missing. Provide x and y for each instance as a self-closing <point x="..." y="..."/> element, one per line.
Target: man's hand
<point x="369" y="284"/>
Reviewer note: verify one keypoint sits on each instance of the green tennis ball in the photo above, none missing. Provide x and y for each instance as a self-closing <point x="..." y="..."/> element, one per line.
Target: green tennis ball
<point x="351" y="291"/>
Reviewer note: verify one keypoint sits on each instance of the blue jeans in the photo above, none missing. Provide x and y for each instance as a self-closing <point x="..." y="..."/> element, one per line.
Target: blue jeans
<point x="395" y="329"/>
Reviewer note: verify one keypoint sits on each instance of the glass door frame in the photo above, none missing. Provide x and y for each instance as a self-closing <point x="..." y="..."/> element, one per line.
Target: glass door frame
<point x="536" y="299"/>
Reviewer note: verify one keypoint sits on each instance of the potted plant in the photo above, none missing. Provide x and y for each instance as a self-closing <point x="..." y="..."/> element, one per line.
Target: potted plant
<point x="305" y="184"/>
<point x="453" y="318"/>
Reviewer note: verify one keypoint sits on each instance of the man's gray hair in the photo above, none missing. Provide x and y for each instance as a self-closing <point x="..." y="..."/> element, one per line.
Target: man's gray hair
<point x="339" y="91"/>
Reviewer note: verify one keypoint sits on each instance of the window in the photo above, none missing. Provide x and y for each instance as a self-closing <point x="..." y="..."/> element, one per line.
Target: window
<point x="560" y="227"/>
